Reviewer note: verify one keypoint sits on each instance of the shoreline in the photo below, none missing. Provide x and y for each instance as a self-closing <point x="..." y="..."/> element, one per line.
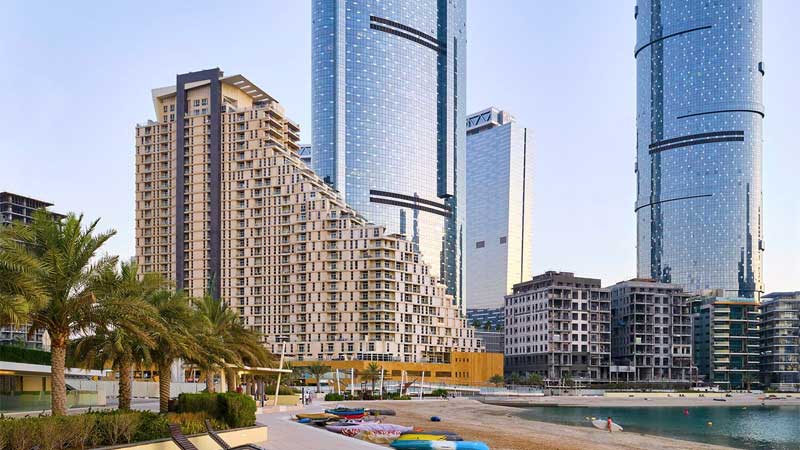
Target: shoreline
<point x="501" y="429"/>
<point x="639" y="400"/>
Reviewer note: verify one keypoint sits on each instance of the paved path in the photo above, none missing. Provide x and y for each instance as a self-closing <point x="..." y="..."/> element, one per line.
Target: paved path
<point x="286" y="434"/>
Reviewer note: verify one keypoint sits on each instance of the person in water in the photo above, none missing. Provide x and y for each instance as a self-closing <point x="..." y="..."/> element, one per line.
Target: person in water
<point x="609" y="422"/>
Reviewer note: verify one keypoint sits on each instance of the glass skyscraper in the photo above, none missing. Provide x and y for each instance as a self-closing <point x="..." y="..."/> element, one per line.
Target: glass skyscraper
<point x="699" y="119"/>
<point x="388" y="117"/>
<point x="499" y="207"/>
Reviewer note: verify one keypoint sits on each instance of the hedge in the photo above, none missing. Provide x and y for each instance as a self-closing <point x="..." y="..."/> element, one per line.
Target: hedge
<point x="11" y="353"/>
<point x="236" y="410"/>
<point x="95" y="429"/>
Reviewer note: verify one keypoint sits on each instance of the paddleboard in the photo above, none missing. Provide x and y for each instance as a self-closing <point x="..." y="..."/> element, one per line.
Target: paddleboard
<point x="439" y="445"/>
<point x="602" y="425"/>
<point x="422" y="437"/>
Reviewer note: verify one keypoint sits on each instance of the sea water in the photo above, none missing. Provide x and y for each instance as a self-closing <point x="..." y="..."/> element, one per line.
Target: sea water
<point x="751" y="427"/>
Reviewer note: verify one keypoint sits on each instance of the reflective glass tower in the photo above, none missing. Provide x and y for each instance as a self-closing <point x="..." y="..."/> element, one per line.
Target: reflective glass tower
<point x="388" y="118"/>
<point x="699" y="119"/>
<point x="499" y="207"/>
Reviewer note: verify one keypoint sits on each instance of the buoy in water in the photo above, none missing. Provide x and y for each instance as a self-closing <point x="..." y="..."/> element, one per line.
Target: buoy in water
<point x="710" y="423"/>
<point x="685" y="412"/>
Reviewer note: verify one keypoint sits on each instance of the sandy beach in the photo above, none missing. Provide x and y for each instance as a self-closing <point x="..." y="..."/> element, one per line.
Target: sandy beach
<point x="502" y="430"/>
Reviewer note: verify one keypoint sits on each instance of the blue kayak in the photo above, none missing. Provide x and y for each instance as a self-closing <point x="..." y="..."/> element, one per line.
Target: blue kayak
<point x="439" y="445"/>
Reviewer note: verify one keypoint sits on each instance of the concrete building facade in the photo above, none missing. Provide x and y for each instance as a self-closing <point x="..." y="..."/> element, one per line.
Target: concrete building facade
<point x="558" y="325"/>
<point x="780" y="341"/>
<point x="651" y="331"/>
<point x="280" y="245"/>
<point x="499" y="207"/>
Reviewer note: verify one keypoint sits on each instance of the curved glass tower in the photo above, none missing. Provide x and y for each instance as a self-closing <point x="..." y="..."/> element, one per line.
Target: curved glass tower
<point x="388" y="118"/>
<point x="699" y="117"/>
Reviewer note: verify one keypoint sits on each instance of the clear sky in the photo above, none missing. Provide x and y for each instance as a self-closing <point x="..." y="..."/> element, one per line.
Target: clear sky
<point x="76" y="79"/>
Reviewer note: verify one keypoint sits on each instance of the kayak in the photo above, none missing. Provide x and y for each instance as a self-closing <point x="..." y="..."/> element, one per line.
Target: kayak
<point x="318" y="416"/>
<point x="437" y="432"/>
<point x="439" y="445"/>
<point x="603" y="425"/>
<point x="422" y="437"/>
<point x="384" y="428"/>
<point x="346" y="411"/>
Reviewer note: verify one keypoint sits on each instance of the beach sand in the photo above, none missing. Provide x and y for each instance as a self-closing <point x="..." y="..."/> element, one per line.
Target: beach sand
<point x="502" y="430"/>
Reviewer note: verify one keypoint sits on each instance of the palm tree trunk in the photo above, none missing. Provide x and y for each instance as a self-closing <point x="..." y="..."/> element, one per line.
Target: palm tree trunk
<point x="164" y="381"/>
<point x="230" y="378"/>
<point x="210" y="380"/>
<point x="125" y="366"/>
<point x="58" y="393"/>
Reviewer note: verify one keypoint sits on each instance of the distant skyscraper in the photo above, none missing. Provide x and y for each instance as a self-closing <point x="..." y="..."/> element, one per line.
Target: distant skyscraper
<point x="499" y="207"/>
<point x="388" y="111"/>
<point x="305" y="154"/>
<point x="699" y="117"/>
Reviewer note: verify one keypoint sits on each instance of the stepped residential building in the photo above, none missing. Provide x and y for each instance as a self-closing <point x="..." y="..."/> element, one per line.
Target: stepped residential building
<point x="726" y="340"/>
<point x="499" y="207"/>
<point x="225" y="202"/>
<point x="388" y="115"/>
<point x="699" y="132"/>
<point x="780" y="341"/>
<point x="559" y="325"/>
<point x="15" y="208"/>
<point x="651" y="332"/>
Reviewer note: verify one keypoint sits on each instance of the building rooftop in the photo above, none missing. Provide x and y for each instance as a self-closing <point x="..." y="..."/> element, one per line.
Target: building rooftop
<point x="238" y="81"/>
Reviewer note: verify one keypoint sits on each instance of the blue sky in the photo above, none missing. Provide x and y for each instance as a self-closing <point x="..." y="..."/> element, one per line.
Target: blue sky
<point x="77" y="78"/>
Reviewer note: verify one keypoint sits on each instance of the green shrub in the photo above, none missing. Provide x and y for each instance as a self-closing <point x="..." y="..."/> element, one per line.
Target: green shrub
<point x="439" y="393"/>
<point x="333" y="397"/>
<point x="234" y="410"/>
<point x="201" y="402"/>
<point x="194" y="423"/>
<point x="237" y="410"/>
<point x="151" y="426"/>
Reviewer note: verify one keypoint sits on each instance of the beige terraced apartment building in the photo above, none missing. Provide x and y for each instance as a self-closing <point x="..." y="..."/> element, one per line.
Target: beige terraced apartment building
<point x="224" y="204"/>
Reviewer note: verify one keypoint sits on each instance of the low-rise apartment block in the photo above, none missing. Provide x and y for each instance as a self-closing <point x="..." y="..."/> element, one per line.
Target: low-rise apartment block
<point x="559" y="326"/>
<point x="651" y="332"/>
<point x="780" y="341"/>
<point x="726" y="340"/>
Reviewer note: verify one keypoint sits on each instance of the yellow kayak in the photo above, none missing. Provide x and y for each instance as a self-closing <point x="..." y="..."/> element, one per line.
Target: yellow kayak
<point x="318" y="416"/>
<point x="421" y="437"/>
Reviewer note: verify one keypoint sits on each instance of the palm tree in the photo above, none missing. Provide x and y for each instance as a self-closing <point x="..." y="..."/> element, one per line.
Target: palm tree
<point x="497" y="380"/>
<point x="19" y="291"/>
<point x="124" y="340"/>
<point x="317" y="370"/>
<point x="372" y="373"/>
<point x="227" y="341"/>
<point x="174" y="339"/>
<point x="65" y="262"/>
<point x="514" y="379"/>
<point x="535" y="379"/>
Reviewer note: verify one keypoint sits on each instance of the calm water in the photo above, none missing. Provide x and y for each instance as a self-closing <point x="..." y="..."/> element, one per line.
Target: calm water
<point x="752" y="427"/>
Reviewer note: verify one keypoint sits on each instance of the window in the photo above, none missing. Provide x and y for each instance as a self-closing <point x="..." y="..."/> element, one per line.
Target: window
<point x="205" y="102"/>
<point x="172" y="107"/>
<point x="503" y="239"/>
<point x="197" y="102"/>
<point x="165" y="108"/>
<point x="480" y="244"/>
